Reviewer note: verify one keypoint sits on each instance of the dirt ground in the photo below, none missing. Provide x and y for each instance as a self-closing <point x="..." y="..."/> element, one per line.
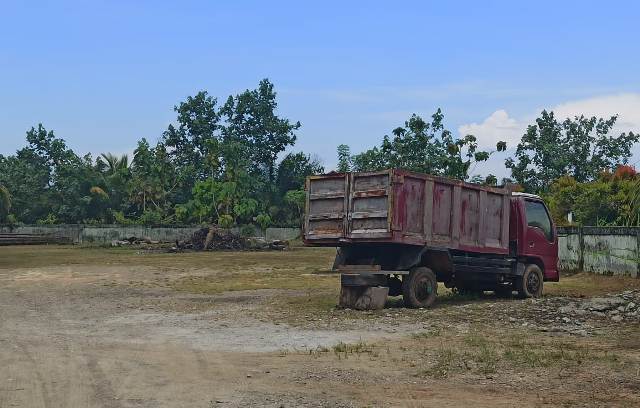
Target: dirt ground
<point x="92" y="327"/>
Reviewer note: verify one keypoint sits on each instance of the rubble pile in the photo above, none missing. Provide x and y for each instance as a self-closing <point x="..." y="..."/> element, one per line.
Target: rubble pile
<point x="133" y="241"/>
<point x="579" y="316"/>
<point x="618" y="308"/>
<point x="216" y="238"/>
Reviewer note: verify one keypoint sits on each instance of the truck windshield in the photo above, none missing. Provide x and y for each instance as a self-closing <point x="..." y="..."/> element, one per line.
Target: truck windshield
<point x="537" y="217"/>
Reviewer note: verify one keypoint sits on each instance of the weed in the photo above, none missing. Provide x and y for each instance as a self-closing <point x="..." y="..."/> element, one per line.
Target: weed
<point x="435" y="332"/>
<point x="343" y="350"/>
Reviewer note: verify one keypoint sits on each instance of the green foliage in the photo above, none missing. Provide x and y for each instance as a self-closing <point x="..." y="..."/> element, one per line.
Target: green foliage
<point x="220" y="164"/>
<point x="344" y="158"/>
<point x="225" y="221"/>
<point x="5" y="204"/>
<point x="50" y="219"/>
<point x="247" y="230"/>
<point x="250" y="119"/>
<point x="580" y="147"/>
<point x="423" y="147"/>
<point x="121" y="219"/>
<point x="296" y="199"/>
<point x="608" y="200"/>
<point x="264" y="221"/>
<point x="151" y="217"/>
<point x="294" y="169"/>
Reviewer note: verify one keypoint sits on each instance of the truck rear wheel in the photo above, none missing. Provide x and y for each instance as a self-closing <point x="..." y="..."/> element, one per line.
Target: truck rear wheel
<point x="530" y="283"/>
<point x="419" y="288"/>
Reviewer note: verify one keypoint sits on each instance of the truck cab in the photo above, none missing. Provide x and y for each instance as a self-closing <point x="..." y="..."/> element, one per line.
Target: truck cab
<point x="533" y="234"/>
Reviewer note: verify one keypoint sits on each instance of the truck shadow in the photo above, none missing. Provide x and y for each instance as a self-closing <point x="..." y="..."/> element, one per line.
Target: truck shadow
<point x="452" y="299"/>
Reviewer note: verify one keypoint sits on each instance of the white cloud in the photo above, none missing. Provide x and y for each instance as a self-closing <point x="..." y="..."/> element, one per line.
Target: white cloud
<point x="500" y="126"/>
<point x="497" y="127"/>
<point x="626" y="106"/>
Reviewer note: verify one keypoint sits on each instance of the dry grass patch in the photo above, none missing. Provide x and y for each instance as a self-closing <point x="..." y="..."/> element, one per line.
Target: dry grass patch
<point x="479" y="353"/>
<point x="590" y="284"/>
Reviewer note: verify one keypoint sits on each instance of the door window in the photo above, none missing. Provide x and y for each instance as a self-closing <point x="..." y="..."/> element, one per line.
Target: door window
<point x="537" y="217"/>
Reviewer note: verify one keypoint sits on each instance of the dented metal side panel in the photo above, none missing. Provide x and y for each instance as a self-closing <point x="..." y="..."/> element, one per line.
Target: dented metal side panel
<point x="465" y="216"/>
<point x="369" y="205"/>
<point x="398" y="206"/>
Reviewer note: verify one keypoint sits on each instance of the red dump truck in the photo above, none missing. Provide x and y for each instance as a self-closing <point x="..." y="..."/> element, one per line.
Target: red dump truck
<point x="400" y="232"/>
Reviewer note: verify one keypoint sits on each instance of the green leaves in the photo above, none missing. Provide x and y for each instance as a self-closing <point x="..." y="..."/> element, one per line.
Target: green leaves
<point x="5" y="204"/>
<point x="419" y="146"/>
<point x="580" y="147"/>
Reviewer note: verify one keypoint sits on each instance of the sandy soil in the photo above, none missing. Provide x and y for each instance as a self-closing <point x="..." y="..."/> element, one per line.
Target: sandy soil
<point x="108" y="332"/>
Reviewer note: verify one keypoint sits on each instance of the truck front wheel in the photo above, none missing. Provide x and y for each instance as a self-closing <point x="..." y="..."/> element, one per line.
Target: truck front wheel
<point x="530" y="283"/>
<point x="419" y="288"/>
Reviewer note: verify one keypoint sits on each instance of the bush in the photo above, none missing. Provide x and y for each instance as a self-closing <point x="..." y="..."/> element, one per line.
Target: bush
<point x="247" y="230"/>
<point x="151" y="217"/>
<point x="264" y="221"/>
<point x="225" y="221"/>
<point x="121" y="219"/>
<point x="50" y="220"/>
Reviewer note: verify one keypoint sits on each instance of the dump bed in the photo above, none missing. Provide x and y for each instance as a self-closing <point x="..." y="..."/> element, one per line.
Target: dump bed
<point x="397" y="206"/>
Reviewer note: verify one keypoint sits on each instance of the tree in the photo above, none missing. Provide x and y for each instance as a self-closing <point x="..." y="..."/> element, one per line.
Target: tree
<point x="294" y="169"/>
<point x="113" y="163"/>
<point x="189" y="145"/>
<point x="153" y="178"/>
<point x="214" y="163"/>
<point x="5" y="204"/>
<point x="344" y="158"/>
<point x="250" y="118"/>
<point x="424" y="147"/>
<point x="296" y="199"/>
<point x="580" y="147"/>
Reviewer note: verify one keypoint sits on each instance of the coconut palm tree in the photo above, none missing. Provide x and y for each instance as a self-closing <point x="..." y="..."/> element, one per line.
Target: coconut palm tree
<point x="115" y="163"/>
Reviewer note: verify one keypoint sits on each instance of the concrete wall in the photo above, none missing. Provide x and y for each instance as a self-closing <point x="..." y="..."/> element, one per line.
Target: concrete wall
<point x="604" y="250"/>
<point x="104" y="234"/>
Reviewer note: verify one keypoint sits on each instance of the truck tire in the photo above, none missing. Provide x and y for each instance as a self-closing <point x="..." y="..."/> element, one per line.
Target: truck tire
<point x="530" y="283"/>
<point x="419" y="288"/>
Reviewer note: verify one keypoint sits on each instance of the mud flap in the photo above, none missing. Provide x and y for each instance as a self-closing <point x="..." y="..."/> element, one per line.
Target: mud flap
<point x="363" y="297"/>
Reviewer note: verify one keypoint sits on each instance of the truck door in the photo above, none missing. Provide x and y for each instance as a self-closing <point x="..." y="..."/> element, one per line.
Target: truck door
<point x="540" y="238"/>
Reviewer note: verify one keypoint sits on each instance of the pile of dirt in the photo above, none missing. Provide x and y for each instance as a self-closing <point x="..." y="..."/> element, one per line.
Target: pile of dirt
<point x="216" y="238"/>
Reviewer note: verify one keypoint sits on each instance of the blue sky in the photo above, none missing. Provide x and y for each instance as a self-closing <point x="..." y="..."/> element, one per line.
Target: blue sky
<point x="103" y="74"/>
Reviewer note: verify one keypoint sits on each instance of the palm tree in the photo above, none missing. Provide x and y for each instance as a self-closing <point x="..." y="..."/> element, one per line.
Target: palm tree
<point x="115" y="163"/>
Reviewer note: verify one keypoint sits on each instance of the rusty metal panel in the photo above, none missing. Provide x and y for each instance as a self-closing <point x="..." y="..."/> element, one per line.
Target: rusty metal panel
<point x="326" y="206"/>
<point x="457" y="213"/>
<point x="494" y="215"/>
<point x="469" y="208"/>
<point x="414" y="198"/>
<point x="404" y="207"/>
<point x="368" y="203"/>
<point x="482" y="218"/>
<point x="427" y="220"/>
<point x="442" y="211"/>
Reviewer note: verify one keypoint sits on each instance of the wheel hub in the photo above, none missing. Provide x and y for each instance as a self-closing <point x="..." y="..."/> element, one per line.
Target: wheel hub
<point x="423" y="289"/>
<point x="533" y="283"/>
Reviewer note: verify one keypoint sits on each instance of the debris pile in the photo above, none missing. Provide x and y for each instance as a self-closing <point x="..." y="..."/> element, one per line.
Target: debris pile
<point x="216" y="238"/>
<point x="618" y="308"/>
<point x="579" y="316"/>
<point x="132" y="241"/>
